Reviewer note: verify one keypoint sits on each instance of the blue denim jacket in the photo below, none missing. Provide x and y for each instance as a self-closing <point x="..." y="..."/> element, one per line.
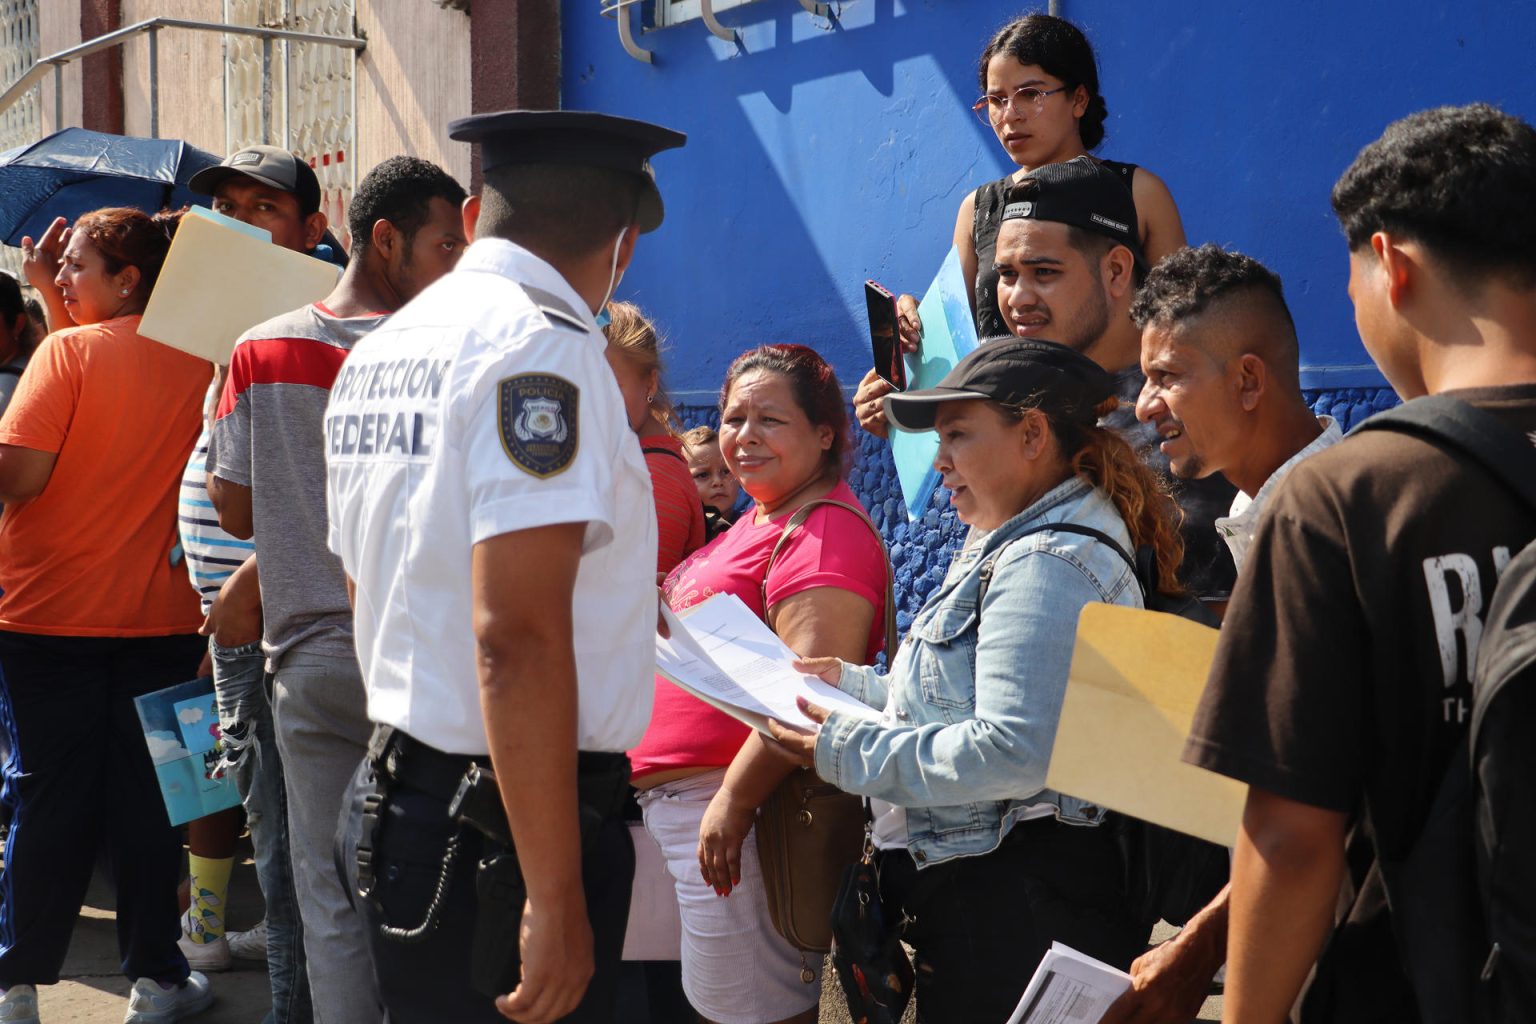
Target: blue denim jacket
<point x="976" y="698"/>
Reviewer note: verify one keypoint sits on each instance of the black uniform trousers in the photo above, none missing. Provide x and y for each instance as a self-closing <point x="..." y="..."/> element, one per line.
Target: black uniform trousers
<point x="428" y="982"/>
<point x="79" y="782"/>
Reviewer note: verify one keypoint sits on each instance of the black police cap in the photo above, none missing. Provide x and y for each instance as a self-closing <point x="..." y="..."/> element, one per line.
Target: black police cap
<point x="577" y="137"/>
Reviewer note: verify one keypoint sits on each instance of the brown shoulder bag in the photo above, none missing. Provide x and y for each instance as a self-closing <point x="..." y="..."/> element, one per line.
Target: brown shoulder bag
<point x="809" y="831"/>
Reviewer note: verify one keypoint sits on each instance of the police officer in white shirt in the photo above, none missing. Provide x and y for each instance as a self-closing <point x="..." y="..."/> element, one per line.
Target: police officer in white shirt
<point x="490" y="505"/>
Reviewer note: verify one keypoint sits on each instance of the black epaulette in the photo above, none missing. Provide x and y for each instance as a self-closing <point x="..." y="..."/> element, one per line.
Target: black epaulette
<point x="556" y="309"/>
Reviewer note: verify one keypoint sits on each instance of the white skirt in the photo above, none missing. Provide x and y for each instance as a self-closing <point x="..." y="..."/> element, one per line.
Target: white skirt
<point x="736" y="968"/>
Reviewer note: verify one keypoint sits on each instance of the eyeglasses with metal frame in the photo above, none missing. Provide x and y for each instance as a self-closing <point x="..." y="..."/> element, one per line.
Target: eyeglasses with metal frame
<point x="990" y="108"/>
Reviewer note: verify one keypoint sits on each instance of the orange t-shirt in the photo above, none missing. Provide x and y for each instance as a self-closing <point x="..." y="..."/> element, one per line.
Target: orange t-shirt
<point x="92" y="554"/>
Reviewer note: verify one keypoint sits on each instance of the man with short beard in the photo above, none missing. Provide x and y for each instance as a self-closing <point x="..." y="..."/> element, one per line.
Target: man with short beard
<point x="1223" y="390"/>
<point x="1068" y="263"/>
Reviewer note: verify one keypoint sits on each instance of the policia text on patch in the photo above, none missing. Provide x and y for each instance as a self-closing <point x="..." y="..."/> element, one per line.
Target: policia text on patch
<point x="466" y="787"/>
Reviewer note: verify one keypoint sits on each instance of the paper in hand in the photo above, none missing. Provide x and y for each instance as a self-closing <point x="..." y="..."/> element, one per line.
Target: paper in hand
<point x="220" y="279"/>
<point x="726" y="656"/>
<point x="1069" y="988"/>
<point x="1135" y="679"/>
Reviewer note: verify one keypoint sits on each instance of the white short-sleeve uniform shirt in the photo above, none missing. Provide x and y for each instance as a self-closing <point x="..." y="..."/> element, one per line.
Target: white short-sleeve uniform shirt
<point x="472" y="413"/>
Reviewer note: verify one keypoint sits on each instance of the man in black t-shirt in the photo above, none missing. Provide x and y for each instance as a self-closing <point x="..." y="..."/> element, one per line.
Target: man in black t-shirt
<point x="1341" y="683"/>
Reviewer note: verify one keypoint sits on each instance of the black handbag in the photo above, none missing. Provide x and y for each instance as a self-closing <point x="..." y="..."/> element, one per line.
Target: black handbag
<point x="867" y="954"/>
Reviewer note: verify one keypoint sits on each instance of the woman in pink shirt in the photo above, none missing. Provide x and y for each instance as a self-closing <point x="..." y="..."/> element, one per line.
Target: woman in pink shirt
<point x="702" y="774"/>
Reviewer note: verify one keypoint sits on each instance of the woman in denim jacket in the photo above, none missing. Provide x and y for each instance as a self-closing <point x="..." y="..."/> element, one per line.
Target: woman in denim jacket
<point x="989" y="865"/>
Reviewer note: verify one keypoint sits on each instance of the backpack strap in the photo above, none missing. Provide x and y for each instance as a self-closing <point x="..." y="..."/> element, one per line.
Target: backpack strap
<point x="1085" y="531"/>
<point x="1476" y="433"/>
<point x="797" y="520"/>
<point x="657" y="450"/>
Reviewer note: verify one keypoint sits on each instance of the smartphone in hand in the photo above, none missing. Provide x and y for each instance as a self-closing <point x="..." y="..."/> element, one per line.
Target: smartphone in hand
<point x="885" y="335"/>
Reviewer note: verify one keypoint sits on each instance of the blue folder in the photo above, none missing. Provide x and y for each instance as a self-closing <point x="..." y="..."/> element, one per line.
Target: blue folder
<point x="949" y="334"/>
<point x="181" y="728"/>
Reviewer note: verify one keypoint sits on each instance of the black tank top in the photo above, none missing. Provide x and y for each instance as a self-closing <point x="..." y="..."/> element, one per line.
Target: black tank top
<point x="989" y="213"/>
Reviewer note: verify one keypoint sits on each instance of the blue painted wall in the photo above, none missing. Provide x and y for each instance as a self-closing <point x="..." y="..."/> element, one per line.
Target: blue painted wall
<point x="824" y="151"/>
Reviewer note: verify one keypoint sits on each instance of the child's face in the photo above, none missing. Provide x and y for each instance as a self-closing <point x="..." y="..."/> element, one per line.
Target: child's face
<point x="717" y="488"/>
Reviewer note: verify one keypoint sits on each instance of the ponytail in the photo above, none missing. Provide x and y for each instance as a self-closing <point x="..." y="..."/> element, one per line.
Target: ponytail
<point x="1091" y="125"/>
<point x="1151" y="515"/>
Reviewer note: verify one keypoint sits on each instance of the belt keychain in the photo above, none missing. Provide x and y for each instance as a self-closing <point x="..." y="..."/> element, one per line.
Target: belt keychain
<point x="381" y="753"/>
<point x="439" y="896"/>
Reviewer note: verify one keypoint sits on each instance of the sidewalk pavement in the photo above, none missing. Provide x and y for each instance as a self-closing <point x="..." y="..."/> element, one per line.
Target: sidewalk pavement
<point x="94" y="991"/>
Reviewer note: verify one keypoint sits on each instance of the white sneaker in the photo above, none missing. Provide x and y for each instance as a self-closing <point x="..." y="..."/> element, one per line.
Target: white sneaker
<point x="202" y="956"/>
<point x="249" y="945"/>
<point x="148" y="1003"/>
<point x="18" y="1005"/>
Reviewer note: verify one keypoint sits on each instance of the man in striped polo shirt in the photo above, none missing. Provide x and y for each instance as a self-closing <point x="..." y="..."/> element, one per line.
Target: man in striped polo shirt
<point x="268" y="188"/>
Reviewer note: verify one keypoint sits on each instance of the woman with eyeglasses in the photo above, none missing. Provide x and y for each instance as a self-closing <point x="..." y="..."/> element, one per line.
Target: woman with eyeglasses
<point x="1040" y="96"/>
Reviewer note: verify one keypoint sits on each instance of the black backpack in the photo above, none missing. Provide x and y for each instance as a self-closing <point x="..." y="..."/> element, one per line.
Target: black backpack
<point x="1169" y="876"/>
<point x="1464" y="899"/>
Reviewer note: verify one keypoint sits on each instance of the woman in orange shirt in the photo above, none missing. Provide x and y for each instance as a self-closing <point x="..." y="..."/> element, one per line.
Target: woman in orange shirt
<point x="94" y="611"/>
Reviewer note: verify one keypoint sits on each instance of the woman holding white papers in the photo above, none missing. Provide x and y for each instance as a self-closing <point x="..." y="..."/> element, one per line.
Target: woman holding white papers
<point x="989" y="865"/>
<point x="703" y="774"/>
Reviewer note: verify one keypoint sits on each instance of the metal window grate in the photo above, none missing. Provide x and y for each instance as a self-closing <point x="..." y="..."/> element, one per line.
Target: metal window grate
<point x="21" y="123"/>
<point x="311" y="107"/>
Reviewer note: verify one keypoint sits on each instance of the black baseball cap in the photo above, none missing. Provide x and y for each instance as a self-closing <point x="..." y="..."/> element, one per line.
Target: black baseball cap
<point x="1081" y="192"/>
<point x="577" y="137"/>
<point x="1029" y="372"/>
<point x="269" y="165"/>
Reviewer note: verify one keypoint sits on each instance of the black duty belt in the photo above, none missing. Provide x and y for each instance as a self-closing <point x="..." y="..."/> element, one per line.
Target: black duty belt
<point x="427" y="769"/>
<point x="417" y="766"/>
<point x="412" y="763"/>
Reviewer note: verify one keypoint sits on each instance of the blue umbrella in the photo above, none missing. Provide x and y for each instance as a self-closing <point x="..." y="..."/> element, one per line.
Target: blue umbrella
<point x="75" y="171"/>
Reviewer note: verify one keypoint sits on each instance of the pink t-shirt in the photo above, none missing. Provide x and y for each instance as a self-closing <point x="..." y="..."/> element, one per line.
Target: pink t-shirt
<point x="832" y="548"/>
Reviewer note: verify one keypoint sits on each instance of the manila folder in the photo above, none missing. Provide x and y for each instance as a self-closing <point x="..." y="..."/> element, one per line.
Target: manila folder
<point x="219" y="282"/>
<point x="1135" y="680"/>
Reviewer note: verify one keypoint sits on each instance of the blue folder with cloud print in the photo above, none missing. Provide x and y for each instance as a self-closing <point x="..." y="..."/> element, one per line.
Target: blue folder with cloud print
<point x="949" y="334"/>
<point x="181" y="728"/>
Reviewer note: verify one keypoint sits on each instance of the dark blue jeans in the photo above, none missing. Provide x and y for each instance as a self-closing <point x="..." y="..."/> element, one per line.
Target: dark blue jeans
<point x="79" y="782"/>
<point x="245" y="716"/>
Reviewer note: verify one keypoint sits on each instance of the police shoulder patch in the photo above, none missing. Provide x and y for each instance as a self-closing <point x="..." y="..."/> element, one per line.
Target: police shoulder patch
<point x="536" y="415"/>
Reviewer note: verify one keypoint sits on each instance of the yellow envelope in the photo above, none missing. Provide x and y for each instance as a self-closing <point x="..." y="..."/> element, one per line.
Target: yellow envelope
<point x="1135" y="680"/>
<point x="218" y="282"/>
